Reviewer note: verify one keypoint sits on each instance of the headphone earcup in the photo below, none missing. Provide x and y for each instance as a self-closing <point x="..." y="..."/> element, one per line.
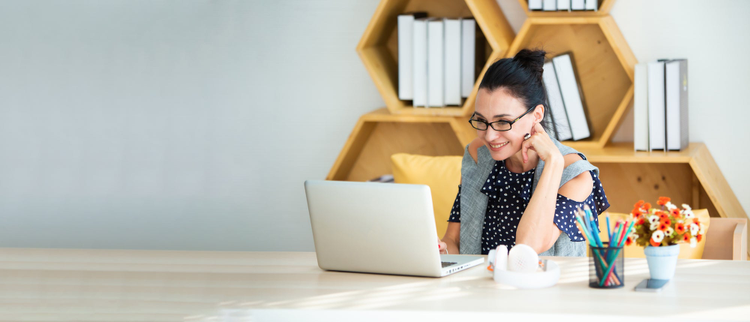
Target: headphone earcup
<point x="523" y="258"/>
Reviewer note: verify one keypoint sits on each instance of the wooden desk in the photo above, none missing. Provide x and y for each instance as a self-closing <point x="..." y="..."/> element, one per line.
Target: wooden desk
<point x="117" y="285"/>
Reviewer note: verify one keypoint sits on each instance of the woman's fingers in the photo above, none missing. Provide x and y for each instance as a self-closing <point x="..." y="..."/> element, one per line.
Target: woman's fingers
<point x="524" y="149"/>
<point x="539" y="128"/>
<point x="442" y="246"/>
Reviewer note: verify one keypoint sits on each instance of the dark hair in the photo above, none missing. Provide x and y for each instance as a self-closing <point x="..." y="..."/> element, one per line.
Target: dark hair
<point x="521" y="76"/>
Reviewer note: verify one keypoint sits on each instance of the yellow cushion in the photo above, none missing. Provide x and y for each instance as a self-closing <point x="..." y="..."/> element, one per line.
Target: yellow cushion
<point x="634" y="250"/>
<point x="442" y="174"/>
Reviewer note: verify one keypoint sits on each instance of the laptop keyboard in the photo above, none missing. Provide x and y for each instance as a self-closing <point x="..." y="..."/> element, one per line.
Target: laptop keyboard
<point x="446" y="264"/>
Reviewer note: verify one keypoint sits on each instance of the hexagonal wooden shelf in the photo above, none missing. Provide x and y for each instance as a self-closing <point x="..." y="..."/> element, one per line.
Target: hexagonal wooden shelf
<point x="378" y="135"/>
<point x="689" y="176"/>
<point x="603" y="60"/>
<point x="378" y="47"/>
<point x="604" y="7"/>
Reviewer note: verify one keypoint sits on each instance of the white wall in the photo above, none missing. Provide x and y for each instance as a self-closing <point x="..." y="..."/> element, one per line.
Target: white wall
<point x="192" y="124"/>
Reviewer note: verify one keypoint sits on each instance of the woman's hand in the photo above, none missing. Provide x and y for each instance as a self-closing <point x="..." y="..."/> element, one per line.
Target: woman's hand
<point x="542" y="144"/>
<point x="442" y="247"/>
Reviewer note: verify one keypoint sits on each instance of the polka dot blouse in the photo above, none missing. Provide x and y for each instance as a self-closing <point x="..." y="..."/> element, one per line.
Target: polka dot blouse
<point x="509" y="194"/>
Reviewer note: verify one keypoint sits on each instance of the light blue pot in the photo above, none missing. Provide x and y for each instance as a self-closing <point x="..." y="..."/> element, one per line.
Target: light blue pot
<point x="662" y="261"/>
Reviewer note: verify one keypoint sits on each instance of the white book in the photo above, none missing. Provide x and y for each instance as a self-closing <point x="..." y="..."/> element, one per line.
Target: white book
<point x="640" y="108"/>
<point x="420" y="62"/>
<point x="452" y="59"/>
<point x="435" y="63"/>
<point x="592" y="5"/>
<point x="677" y="104"/>
<point x="535" y="5"/>
<point x="405" y="57"/>
<point x="563" y="5"/>
<point x="656" y="108"/>
<point x="577" y="5"/>
<point x="468" y="52"/>
<point x="555" y="101"/>
<point x="550" y="5"/>
<point x="566" y="78"/>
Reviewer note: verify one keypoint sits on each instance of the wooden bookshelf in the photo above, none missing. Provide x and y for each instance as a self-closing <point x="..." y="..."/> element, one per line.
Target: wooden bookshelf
<point x="605" y="66"/>
<point x="378" y="47"/>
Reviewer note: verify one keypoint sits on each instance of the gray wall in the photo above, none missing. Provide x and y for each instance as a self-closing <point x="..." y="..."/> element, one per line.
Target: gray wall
<point x="192" y="124"/>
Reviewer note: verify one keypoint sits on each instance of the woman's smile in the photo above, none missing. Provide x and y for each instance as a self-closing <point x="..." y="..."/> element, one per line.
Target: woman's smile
<point x="497" y="146"/>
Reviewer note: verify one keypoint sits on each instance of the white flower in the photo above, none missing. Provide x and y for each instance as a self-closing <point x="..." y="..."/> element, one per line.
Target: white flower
<point x="657" y="236"/>
<point x="688" y="214"/>
<point x="693" y="242"/>
<point x="703" y="229"/>
<point x="694" y="229"/>
<point x="670" y="205"/>
<point x="653" y="219"/>
<point x="669" y="232"/>
<point x="655" y="226"/>
<point x="686" y="207"/>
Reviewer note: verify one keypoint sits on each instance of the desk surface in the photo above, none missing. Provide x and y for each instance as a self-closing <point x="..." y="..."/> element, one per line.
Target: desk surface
<point x="118" y="285"/>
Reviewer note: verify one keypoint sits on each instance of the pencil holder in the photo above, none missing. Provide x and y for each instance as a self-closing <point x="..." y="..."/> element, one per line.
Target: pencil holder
<point x="606" y="267"/>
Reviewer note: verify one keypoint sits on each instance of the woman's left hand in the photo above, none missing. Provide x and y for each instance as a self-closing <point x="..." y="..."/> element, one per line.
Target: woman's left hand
<point x="542" y="144"/>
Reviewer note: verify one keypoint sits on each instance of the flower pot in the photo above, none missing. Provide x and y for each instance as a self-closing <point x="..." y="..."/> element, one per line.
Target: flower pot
<point x="662" y="261"/>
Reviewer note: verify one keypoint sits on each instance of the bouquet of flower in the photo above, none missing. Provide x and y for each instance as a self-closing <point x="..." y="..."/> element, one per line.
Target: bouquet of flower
<point x="664" y="226"/>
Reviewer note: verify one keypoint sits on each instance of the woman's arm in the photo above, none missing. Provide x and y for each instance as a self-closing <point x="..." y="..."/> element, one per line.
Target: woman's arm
<point x="452" y="237"/>
<point x="536" y="227"/>
<point x="578" y="189"/>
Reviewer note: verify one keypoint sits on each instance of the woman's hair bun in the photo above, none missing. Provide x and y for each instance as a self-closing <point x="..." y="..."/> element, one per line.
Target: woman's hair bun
<point x="531" y="60"/>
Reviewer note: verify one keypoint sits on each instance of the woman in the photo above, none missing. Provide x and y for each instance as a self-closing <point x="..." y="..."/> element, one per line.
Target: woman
<point x="518" y="184"/>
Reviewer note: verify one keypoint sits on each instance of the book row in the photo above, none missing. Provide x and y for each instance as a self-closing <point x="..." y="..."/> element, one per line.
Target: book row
<point x="565" y="99"/>
<point x="660" y="105"/>
<point x="563" y="5"/>
<point x="436" y="59"/>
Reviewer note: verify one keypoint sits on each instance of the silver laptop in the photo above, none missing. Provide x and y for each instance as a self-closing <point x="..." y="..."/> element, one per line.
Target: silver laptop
<point x="385" y="228"/>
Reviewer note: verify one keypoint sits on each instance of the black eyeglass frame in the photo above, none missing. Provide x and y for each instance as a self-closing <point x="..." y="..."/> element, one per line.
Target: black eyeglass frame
<point x="489" y="125"/>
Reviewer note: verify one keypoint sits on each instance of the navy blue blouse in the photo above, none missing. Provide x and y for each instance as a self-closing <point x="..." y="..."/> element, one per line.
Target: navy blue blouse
<point x="509" y="194"/>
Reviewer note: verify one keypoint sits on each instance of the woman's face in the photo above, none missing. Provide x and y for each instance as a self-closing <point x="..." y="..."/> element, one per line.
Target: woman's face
<point x="500" y="105"/>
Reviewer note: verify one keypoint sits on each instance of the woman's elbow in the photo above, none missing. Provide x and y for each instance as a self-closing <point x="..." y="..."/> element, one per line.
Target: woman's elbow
<point x="540" y="244"/>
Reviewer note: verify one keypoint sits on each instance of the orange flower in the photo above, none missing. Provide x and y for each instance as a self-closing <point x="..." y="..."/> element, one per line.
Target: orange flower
<point x="696" y="221"/>
<point x="663" y="201"/>
<point x="698" y="237"/>
<point x="663" y="227"/>
<point x="666" y="222"/>
<point x="680" y="228"/>
<point x="629" y="241"/>
<point x="641" y="221"/>
<point x="675" y="212"/>
<point x="686" y="238"/>
<point x="653" y="243"/>
<point x="639" y="204"/>
<point x="636" y="212"/>
<point x="662" y="215"/>
<point x="646" y="206"/>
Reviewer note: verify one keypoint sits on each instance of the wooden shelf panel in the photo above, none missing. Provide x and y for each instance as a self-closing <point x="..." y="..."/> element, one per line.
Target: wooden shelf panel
<point x="378" y="47"/>
<point x="623" y="153"/>
<point x="379" y="134"/>
<point x="626" y="183"/>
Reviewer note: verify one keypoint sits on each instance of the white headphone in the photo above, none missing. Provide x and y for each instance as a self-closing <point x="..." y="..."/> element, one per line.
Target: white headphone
<point x="521" y="267"/>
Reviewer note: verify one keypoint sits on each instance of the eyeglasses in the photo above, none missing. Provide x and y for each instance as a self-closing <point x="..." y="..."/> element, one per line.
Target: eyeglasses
<point x="501" y="125"/>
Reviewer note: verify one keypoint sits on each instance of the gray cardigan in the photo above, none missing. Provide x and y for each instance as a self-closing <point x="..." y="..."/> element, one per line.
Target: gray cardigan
<point x="474" y="202"/>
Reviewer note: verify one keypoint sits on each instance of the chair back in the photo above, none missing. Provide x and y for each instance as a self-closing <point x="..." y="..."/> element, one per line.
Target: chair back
<point x="726" y="239"/>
